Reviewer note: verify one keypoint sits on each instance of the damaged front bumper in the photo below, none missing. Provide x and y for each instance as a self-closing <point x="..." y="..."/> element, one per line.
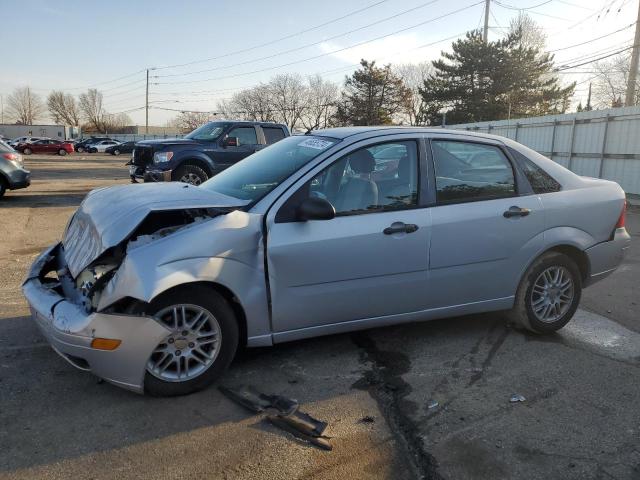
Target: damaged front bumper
<point x="70" y="329"/>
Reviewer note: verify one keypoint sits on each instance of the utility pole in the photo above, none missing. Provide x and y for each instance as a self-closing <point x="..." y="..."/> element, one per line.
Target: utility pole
<point x="588" y="107"/>
<point x="633" y="72"/>
<point x="146" y="123"/>
<point x="485" y="31"/>
<point x="2" y="108"/>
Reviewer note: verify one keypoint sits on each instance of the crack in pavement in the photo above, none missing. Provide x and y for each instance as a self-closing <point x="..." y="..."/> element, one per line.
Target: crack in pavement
<point x="385" y="384"/>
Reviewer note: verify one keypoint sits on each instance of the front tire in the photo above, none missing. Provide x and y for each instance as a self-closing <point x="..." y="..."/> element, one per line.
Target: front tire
<point x="62" y="152"/>
<point x="191" y="174"/>
<point x="27" y="151"/>
<point x="80" y="149"/>
<point x="548" y="295"/>
<point x="116" y="152"/>
<point x="202" y="344"/>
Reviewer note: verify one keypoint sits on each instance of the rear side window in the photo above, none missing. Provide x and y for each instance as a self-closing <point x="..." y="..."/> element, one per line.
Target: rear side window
<point x="541" y="181"/>
<point x="245" y="135"/>
<point x="272" y="134"/>
<point x="467" y="172"/>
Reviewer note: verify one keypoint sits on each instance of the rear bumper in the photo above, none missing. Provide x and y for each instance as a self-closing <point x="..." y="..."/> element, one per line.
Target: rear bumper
<point x="605" y="257"/>
<point x="70" y="330"/>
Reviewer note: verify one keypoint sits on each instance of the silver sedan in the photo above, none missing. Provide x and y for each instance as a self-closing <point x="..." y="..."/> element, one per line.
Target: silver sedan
<point x="153" y="287"/>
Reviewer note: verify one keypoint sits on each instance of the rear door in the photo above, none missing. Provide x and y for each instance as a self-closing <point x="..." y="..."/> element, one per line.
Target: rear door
<point x="273" y="134"/>
<point x="487" y="223"/>
<point x="369" y="261"/>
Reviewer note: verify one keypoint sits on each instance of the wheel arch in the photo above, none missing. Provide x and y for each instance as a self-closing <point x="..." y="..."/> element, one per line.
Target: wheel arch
<point x="198" y="161"/>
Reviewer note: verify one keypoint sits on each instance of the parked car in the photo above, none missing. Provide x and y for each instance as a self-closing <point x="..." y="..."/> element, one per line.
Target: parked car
<point x="158" y="284"/>
<point x="45" y="146"/>
<point x="26" y="139"/>
<point x="202" y="153"/>
<point x="101" y="146"/>
<point x="13" y="175"/>
<point x="126" y="147"/>
<point x="83" y="145"/>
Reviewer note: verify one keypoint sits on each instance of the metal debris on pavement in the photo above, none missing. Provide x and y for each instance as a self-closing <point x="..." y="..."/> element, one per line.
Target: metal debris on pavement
<point x="516" y="397"/>
<point x="432" y="404"/>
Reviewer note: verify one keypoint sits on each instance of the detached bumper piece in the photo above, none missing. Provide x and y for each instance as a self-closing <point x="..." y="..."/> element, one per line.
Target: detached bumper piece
<point x="286" y="414"/>
<point x="115" y="347"/>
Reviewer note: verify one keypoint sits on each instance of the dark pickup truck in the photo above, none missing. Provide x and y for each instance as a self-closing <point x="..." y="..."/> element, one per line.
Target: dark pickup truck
<point x="201" y="154"/>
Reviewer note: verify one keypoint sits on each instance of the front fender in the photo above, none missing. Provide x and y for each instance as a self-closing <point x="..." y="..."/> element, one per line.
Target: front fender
<point x="186" y="155"/>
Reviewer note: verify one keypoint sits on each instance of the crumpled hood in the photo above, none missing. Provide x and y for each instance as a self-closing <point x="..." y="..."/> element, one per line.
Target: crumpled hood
<point x="109" y="215"/>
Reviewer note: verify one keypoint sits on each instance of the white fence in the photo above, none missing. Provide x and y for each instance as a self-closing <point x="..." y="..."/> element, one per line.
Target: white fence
<point x="599" y="143"/>
<point x="130" y="137"/>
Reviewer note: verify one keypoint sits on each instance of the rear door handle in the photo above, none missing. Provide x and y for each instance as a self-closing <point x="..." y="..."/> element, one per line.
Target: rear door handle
<point x="400" y="228"/>
<point x="516" y="212"/>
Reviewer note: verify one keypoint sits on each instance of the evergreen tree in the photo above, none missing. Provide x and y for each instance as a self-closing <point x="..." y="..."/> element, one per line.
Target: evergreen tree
<point x="493" y="81"/>
<point x="372" y="96"/>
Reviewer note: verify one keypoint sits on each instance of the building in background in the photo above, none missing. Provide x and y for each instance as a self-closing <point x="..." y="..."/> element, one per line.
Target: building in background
<point x="57" y="132"/>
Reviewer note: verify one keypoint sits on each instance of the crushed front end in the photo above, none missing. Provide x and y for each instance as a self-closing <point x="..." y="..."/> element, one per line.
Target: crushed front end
<point x="113" y="346"/>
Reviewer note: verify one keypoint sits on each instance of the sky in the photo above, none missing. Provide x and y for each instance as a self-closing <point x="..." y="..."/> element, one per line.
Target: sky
<point x="199" y="52"/>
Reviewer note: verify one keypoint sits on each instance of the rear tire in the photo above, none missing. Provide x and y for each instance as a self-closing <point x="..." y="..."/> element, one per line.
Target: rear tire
<point x="27" y="151"/>
<point x="3" y="187"/>
<point x="222" y="319"/>
<point x="191" y="174"/>
<point x="62" y="152"/>
<point x="116" y="152"/>
<point x="80" y="149"/>
<point x="548" y="294"/>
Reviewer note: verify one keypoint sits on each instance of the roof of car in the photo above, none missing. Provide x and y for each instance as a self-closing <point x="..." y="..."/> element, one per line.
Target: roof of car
<point x="344" y="132"/>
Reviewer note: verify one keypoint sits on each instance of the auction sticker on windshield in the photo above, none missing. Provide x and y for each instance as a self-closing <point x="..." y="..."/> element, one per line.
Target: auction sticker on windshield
<point x="315" y="143"/>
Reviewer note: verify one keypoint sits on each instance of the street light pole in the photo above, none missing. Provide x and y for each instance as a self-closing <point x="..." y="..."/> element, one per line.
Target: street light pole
<point x="146" y="123"/>
<point x="485" y="31"/>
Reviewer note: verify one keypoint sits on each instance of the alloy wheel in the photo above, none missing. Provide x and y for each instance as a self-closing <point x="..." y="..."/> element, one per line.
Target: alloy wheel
<point x="552" y="294"/>
<point x="192" y="346"/>
<point x="191" y="178"/>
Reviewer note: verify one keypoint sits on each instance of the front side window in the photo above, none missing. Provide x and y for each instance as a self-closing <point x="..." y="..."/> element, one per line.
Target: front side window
<point x="378" y="178"/>
<point x="467" y="172"/>
<point x="255" y="176"/>
<point x="245" y="135"/>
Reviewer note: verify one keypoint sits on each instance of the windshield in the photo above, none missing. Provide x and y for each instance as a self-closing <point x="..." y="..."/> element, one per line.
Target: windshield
<point x="208" y="131"/>
<point x="254" y="177"/>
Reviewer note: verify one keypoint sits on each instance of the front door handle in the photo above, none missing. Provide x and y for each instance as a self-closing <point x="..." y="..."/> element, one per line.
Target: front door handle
<point x="516" y="212"/>
<point x="400" y="227"/>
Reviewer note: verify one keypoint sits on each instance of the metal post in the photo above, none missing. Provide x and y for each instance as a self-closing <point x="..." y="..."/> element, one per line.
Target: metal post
<point x="553" y="139"/>
<point x="517" y="128"/>
<point x="604" y="144"/>
<point x="485" y="31"/>
<point x="633" y="71"/>
<point x="573" y="131"/>
<point x="146" y="128"/>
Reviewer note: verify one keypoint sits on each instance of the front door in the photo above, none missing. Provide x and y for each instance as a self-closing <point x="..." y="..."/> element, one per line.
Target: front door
<point x="247" y="144"/>
<point x="369" y="261"/>
<point x="486" y="226"/>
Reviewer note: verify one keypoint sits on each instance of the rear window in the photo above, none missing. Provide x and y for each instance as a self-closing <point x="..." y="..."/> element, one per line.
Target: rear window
<point x="273" y="134"/>
<point x="540" y="181"/>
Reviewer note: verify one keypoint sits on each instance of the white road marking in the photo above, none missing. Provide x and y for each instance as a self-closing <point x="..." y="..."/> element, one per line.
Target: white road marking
<point x="602" y="335"/>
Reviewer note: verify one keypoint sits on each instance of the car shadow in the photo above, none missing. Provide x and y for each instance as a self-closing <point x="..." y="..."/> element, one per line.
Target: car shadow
<point x="26" y="199"/>
<point x="52" y="412"/>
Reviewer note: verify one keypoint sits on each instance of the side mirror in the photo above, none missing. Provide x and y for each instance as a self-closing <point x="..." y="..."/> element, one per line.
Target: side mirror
<point x="231" y="142"/>
<point x="314" y="208"/>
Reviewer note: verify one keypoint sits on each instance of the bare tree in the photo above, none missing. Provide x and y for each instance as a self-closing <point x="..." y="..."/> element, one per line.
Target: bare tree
<point x="413" y="76"/>
<point x="320" y="103"/>
<point x="91" y="108"/>
<point x="63" y="108"/>
<point x="610" y="82"/>
<point x="252" y="104"/>
<point x="114" y="122"/>
<point x="532" y="34"/>
<point x="24" y="106"/>
<point x="189" y="121"/>
<point x="288" y="98"/>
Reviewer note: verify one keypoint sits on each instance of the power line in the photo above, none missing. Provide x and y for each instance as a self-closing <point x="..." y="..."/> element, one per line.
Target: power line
<point x="529" y="9"/>
<point x="593" y="39"/>
<point x="596" y="59"/>
<point x="326" y="53"/>
<point x="272" y="41"/>
<point x="513" y="7"/>
<point x="302" y="47"/>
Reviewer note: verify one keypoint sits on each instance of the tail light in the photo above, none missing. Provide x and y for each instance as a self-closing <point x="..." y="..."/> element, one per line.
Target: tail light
<point x="623" y="216"/>
<point x="11" y="156"/>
